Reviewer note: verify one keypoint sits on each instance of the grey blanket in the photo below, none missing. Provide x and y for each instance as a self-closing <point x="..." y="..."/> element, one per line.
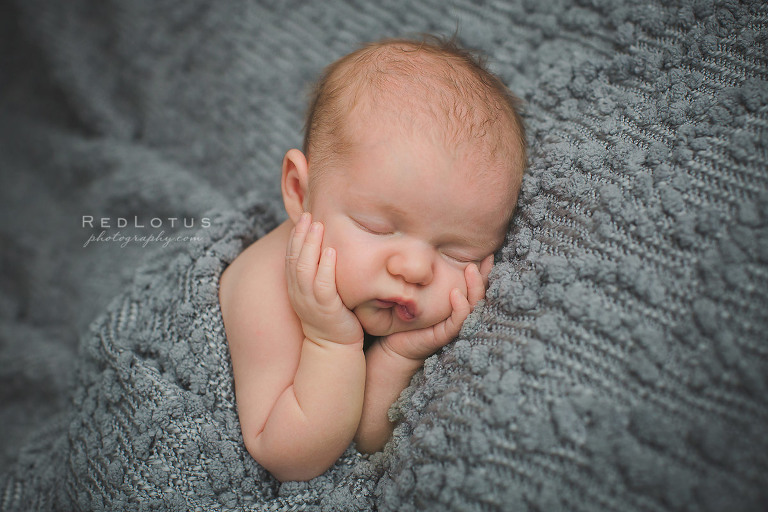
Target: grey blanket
<point x="619" y="362"/>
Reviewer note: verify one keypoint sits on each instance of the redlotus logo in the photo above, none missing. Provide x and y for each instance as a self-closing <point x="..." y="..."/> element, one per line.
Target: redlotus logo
<point x="110" y="230"/>
<point x="155" y="222"/>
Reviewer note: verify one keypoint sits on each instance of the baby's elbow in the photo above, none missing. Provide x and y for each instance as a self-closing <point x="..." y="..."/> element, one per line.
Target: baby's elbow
<point x="373" y="439"/>
<point x="287" y="463"/>
<point x="297" y="472"/>
<point x="368" y="446"/>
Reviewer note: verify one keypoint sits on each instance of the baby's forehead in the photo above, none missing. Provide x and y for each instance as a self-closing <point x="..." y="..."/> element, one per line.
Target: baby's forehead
<point x="437" y="90"/>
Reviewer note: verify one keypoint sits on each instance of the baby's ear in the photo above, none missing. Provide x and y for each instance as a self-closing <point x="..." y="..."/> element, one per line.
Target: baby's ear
<point x="295" y="183"/>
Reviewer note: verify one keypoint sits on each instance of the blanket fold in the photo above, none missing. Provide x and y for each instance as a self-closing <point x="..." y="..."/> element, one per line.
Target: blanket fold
<point x="154" y="422"/>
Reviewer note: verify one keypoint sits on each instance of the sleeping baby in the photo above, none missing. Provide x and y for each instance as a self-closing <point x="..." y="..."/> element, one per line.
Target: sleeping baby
<point x="412" y="161"/>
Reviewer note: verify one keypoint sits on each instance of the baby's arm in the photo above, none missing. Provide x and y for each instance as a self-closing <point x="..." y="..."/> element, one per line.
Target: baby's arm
<point x="300" y="399"/>
<point x="392" y="361"/>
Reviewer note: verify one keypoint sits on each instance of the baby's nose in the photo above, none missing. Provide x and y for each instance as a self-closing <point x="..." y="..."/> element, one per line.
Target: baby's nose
<point x="413" y="264"/>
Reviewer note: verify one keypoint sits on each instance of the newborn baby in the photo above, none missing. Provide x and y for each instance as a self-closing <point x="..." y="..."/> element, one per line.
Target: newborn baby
<point x="411" y="165"/>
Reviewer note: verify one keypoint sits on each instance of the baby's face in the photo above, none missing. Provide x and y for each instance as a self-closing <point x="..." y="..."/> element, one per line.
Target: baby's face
<point x="406" y="218"/>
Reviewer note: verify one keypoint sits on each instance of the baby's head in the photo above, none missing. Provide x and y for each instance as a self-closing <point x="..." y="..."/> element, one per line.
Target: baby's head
<point x="430" y="87"/>
<point x="413" y="158"/>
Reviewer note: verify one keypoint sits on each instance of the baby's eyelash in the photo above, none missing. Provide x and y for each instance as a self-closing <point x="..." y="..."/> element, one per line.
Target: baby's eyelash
<point x="373" y="231"/>
<point x="460" y="259"/>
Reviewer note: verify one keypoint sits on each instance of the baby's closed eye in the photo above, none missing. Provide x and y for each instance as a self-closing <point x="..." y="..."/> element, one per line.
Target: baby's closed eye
<point x="373" y="226"/>
<point x="459" y="258"/>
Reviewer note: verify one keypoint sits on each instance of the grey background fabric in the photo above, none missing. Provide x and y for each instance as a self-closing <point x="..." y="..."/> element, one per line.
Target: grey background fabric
<point x="619" y="362"/>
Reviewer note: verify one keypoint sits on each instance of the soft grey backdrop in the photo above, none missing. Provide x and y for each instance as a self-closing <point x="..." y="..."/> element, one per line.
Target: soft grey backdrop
<point x="620" y="360"/>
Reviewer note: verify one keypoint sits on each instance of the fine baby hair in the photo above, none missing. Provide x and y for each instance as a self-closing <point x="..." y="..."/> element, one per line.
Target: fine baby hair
<point x="429" y="81"/>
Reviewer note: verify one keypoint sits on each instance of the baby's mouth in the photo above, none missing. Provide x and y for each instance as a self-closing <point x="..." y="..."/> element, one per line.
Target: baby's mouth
<point x="404" y="309"/>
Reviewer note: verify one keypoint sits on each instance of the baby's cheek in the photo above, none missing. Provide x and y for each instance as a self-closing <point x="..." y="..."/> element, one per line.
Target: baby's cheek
<point x="453" y="279"/>
<point x="349" y="289"/>
<point x="456" y="279"/>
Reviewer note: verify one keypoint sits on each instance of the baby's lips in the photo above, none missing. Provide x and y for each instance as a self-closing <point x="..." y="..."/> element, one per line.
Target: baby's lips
<point x="405" y="309"/>
<point x="404" y="312"/>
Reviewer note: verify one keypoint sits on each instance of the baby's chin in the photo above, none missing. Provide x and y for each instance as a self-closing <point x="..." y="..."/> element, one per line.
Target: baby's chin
<point x="384" y="322"/>
<point x="379" y="332"/>
<point x="379" y="329"/>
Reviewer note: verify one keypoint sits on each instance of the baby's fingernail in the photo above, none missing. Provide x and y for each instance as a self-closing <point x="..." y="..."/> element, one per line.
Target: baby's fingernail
<point x="304" y="217"/>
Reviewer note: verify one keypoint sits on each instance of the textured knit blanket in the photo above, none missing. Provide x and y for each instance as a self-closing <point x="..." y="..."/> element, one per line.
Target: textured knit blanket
<point x="619" y="361"/>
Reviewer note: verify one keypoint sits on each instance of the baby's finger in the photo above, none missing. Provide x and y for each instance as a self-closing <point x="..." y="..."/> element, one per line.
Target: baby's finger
<point x="449" y="329"/>
<point x="325" y="281"/>
<point x="295" y="242"/>
<point x="306" y="265"/>
<point x="296" y="238"/>
<point x="475" y="284"/>
<point x="485" y="268"/>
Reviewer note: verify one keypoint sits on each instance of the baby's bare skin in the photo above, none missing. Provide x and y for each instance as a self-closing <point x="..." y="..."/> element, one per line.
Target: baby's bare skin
<point x="305" y="389"/>
<point x="396" y="240"/>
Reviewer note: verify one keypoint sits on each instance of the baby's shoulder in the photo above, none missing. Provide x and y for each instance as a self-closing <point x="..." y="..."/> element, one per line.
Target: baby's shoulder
<point x="253" y="285"/>
<point x="264" y="334"/>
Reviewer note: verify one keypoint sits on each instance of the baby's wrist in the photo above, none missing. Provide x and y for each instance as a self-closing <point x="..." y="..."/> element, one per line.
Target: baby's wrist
<point x="328" y="342"/>
<point x="346" y="335"/>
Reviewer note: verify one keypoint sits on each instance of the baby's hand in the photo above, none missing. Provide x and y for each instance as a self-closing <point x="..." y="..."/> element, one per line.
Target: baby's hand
<point x="311" y="279"/>
<point x="421" y="343"/>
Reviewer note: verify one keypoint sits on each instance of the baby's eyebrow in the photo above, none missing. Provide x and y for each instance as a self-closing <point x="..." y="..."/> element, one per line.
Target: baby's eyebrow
<point x="486" y="244"/>
<point x="391" y="208"/>
<point x="373" y="200"/>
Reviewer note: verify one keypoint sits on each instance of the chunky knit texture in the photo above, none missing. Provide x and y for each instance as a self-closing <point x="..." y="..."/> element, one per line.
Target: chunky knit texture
<point x="619" y="361"/>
